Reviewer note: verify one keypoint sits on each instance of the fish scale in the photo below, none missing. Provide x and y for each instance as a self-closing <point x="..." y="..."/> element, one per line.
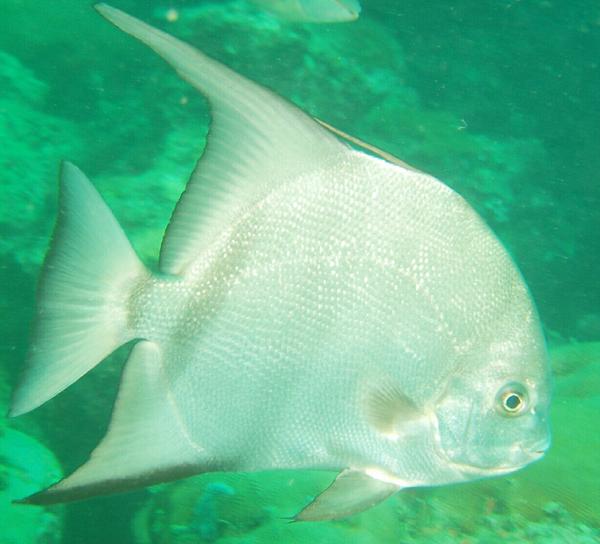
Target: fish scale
<point x="252" y="319"/>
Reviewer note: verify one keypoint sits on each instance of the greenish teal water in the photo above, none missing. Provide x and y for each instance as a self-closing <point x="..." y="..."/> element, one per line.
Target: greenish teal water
<point x="498" y="99"/>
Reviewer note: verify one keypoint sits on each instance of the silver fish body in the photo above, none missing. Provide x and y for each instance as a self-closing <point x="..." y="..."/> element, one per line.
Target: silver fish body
<point x="320" y="309"/>
<point x="313" y="11"/>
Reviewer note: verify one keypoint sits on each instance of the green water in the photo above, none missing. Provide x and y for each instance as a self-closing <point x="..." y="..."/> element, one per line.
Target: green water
<point x="499" y="99"/>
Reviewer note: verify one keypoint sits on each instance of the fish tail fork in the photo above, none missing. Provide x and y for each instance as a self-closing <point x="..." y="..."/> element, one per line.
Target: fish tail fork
<point x="88" y="274"/>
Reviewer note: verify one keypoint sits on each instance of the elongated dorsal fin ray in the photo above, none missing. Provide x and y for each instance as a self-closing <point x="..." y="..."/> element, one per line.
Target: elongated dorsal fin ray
<point x="350" y="493"/>
<point x="145" y="443"/>
<point x="256" y="142"/>
<point x="368" y="147"/>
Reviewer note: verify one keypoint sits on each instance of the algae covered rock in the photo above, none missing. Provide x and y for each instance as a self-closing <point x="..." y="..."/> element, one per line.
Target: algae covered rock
<point x="26" y="467"/>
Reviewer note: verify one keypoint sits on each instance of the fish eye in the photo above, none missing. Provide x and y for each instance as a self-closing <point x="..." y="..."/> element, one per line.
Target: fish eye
<point x="512" y="399"/>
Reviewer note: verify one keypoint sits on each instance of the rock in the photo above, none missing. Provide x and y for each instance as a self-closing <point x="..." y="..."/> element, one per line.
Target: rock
<point x="26" y="467"/>
<point x="33" y="143"/>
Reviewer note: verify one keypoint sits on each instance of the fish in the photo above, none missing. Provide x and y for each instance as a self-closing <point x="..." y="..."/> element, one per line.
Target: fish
<point x="313" y="11"/>
<point x="297" y="11"/>
<point x="316" y="307"/>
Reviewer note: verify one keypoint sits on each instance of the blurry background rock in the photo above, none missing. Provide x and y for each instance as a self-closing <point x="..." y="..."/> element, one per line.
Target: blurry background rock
<point x="25" y="467"/>
<point x="33" y="143"/>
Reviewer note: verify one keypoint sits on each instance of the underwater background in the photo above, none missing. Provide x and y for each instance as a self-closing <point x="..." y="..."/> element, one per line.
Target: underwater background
<point x="500" y="99"/>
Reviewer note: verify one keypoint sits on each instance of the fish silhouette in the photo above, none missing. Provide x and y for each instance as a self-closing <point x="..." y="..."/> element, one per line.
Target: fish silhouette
<point x="317" y="307"/>
<point x="313" y="11"/>
<point x="297" y="11"/>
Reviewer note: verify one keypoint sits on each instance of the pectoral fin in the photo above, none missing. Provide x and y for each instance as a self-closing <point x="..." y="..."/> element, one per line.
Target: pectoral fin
<point x="389" y="410"/>
<point x="351" y="492"/>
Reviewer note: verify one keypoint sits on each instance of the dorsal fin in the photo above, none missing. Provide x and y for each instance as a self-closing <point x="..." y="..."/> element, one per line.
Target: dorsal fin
<point x="256" y="141"/>
<point x="369" y="147"/>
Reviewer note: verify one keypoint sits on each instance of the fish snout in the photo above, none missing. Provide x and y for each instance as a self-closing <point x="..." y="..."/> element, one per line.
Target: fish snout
<point x="535" y="450"/>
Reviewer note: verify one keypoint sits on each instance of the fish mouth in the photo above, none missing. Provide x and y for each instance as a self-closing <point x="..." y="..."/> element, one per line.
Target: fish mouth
<point x="534" y="454"/>
<point x="472" y="469"/>
<point x="528" y="455"/>
<point x="535" y="450"/>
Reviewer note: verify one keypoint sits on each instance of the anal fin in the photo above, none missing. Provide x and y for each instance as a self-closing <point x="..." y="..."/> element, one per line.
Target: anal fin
<point x="145" y="443"/>
<point x="351" y="492"/>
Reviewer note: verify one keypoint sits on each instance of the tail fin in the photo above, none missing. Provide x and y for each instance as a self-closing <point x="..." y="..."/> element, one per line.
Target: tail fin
<point x="85" y="283"/>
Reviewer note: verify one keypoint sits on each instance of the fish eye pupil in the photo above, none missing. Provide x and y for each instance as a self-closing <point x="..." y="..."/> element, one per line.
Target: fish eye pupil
<point x="512" y="399"/>
<point x="512" y="402"/>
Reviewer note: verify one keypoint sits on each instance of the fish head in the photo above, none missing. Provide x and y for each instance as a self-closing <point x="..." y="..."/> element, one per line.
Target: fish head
<point x="492" y="417"/>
